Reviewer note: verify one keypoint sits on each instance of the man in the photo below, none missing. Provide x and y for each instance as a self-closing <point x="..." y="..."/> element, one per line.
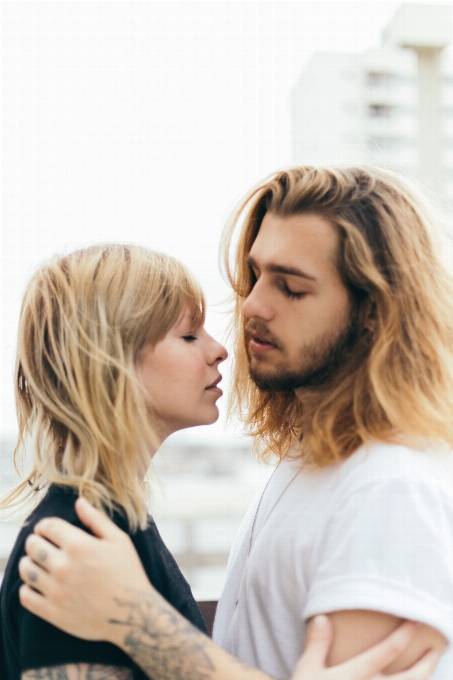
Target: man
<point x="344" y="323"/>
<point x="339" y="295"/>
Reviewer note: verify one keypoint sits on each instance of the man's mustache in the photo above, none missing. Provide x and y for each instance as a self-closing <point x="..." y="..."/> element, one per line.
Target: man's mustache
<point x="260" y="330"/>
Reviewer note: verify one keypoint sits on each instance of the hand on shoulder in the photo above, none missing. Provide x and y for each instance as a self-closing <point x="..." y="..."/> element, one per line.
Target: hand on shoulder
<point x="77" y="578"/>
<point x="78" y="582"/>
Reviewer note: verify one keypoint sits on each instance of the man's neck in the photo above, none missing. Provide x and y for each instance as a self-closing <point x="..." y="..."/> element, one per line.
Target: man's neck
<point x="309" y="399"/>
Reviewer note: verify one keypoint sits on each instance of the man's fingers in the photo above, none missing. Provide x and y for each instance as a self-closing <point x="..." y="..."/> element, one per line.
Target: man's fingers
<point x="319" y="639"/>
<point x="381" y="655"/>
<point x="97" y="521"/>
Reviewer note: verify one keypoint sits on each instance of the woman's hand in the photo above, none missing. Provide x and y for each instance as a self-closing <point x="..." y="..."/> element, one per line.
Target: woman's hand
<point x="73" y="580"/>
<point x="78" y="583"/>
<point x="366" y="666"/>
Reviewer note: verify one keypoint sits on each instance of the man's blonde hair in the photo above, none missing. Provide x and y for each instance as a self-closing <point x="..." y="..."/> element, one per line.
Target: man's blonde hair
<point x="84" y="318"/>
<point x="403" y="382"/>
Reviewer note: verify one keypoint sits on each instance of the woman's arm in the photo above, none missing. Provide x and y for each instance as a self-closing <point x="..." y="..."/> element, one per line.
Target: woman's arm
<point x="356" y="630"/>
<point x="96" y="588"/>
<point x="79" y="671"/>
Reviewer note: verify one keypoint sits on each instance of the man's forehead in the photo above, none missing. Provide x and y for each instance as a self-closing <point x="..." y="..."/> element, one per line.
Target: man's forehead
<point x="302" y="243"/>
<point x="279" y="268"/>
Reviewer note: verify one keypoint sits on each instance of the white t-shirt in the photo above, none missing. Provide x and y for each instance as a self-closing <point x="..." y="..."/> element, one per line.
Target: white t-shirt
<point x="375" y="532"/>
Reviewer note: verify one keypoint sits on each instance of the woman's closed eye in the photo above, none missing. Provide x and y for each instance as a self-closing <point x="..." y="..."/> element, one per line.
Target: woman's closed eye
<point x="189" y="337"/>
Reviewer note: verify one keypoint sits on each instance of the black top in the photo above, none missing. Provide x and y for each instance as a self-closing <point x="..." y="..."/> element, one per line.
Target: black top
<point x="30" y="642"/>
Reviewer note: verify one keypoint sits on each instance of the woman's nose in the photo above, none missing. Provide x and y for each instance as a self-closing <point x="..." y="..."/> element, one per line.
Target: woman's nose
<point x="221" y="352"/>
<point x="217" y="352"/>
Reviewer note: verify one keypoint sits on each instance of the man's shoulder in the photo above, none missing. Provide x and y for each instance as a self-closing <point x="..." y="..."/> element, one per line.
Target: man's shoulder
<point x="382" y="462"/>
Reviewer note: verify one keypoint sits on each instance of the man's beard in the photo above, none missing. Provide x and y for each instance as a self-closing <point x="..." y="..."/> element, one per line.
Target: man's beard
<point x="320" y="365"/>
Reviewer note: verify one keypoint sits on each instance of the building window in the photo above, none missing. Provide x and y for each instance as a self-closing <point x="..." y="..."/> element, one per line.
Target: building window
<point x="379" y="79"/>
<point x="349" y="76"/>
<point x="349" y="107"/>
<point x="382" y="111"/>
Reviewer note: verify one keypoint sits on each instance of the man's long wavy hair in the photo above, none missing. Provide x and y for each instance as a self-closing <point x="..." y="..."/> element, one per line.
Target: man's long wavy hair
<point x="84" y="319"/>
<point x="387" y="257"/>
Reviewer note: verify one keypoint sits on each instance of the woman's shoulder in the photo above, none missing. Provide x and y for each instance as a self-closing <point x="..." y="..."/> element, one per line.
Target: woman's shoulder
<point x="59" y="501"/>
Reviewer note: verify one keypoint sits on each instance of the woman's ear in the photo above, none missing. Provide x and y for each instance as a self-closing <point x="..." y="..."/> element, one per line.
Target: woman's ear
<point x="369" y="315"/>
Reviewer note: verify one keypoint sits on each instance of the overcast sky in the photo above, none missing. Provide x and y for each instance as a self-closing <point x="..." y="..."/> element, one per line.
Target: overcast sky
<point x="146" y="122"/>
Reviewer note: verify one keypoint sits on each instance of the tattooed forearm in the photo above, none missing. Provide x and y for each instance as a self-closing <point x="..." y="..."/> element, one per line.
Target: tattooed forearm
<point x="167" y="647"/>
<point x="164" y="645"/>
<point x="79" y="671"/>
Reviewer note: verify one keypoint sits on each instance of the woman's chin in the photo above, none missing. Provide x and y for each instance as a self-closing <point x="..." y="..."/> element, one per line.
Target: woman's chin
<point x="212" y="418"/>
<point x="206" y="420"/>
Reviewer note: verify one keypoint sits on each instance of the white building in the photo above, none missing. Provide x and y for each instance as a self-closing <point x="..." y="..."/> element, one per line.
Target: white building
<point x="392" y="106"/>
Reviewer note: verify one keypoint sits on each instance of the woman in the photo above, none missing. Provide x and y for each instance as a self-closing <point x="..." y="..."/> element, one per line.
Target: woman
<point x="112" y="358"/>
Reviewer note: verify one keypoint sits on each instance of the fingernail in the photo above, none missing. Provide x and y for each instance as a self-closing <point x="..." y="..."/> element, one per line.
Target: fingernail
<point x="41" y="524"/>
<point x="320" y="621"/>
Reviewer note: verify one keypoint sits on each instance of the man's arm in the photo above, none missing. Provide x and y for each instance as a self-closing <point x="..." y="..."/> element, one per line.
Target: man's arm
<point x="79" y="671"/>
<point x="357" y="630"/>
<point x="96" y="589"/>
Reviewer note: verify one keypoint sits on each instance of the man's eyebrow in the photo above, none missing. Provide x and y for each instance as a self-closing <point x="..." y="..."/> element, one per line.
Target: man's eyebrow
<point x="280" y="269"/>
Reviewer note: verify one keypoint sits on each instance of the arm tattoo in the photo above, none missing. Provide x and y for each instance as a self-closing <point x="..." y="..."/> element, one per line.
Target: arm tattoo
<point x="166" y="647"/>
<point x="171" y="650"/>
<point x="79" y="671"/>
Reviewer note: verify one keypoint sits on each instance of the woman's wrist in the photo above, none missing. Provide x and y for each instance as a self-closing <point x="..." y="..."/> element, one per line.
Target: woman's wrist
<point x="158" y="639"/>
<point x="135" y="611"/>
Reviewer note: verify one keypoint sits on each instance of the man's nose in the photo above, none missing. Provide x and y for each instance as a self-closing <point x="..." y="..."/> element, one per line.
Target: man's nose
<point x="257" y="304"/>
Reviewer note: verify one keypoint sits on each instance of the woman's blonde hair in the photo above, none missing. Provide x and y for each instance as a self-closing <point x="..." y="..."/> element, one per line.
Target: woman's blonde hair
<point x="84" y="318"/>
<point x="402" y="383"/>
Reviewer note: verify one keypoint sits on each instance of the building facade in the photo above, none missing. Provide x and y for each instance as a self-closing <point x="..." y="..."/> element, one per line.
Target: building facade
<point x="391" y="106"/>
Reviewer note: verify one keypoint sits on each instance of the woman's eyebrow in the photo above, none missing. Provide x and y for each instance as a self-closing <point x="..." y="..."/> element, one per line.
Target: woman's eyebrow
<point x="280" y="269"/>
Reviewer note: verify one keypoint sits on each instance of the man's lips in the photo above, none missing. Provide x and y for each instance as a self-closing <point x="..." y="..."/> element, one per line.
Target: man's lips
<point x="259" y="345"/>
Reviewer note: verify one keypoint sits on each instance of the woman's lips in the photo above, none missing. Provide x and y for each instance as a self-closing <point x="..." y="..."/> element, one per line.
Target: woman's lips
<point x="215" y="388"/>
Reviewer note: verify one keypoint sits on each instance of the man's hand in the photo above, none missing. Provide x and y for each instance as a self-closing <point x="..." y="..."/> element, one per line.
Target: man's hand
<point x="94" y="587"/>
